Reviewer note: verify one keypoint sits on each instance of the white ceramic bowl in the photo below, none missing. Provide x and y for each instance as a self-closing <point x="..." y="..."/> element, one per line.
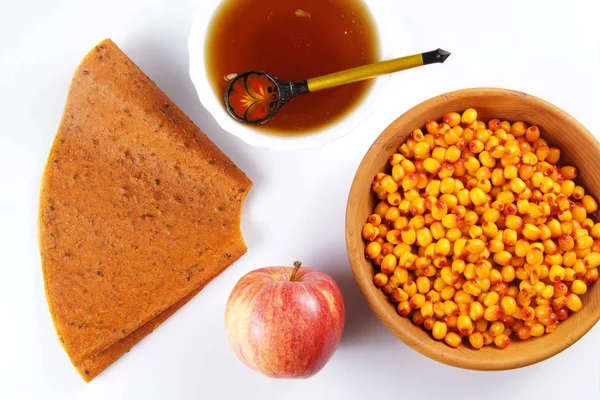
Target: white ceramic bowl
<point x="255" y="137"/>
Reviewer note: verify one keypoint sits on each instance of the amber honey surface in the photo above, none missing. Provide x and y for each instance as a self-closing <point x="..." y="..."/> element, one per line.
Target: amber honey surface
<point x="294" y="40"/>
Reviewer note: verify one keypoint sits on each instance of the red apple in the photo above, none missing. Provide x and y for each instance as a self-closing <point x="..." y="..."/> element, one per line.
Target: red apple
<point x="285" y="322"/>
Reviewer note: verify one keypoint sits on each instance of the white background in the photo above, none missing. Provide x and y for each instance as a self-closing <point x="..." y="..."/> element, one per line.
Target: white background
<point x="295" y="210"/>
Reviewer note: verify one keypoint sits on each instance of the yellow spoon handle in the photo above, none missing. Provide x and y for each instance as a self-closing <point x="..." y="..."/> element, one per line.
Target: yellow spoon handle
<point x="373" y="70"/>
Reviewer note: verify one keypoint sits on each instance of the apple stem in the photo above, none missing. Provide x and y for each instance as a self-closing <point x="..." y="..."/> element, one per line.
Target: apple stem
<point x="294" y="273"/>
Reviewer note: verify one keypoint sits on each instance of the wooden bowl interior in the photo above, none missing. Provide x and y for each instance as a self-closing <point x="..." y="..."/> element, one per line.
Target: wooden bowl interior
<point x="578" y="148"/>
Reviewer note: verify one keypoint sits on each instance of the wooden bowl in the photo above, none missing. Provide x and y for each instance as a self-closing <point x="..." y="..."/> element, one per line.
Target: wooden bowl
<point x="578" y="148"/>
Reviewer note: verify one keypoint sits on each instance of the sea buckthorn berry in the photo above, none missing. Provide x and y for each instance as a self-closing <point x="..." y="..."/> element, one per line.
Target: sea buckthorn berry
<point x="380" y="279"/>
<point x="508" y="305"/>
<point x="450" y="221"/>
<point x="490" y="299"/>
<point x="387" y="248"/>
<point x="469" y="116"/>
<point x="511" y="151"/>
<point x="531" y="232"/>
<point x="568" y="172"/>
<point x="496" y="151"/>
<point x="573" y="302"/>
<point x="486" y="159"/>
<point x="532" y="133"/>
<point x="476" y="311"/>
<point x="373" y="250"/>
<point x="421" y="149"/>
<point x="381" y="208"/>
<point x="399" y="295"/>
<point x="464" y="324"/>
<point x="478" y="196"/>
<point x="497" y="328"/>
<point x="408" y="166"/>
<point x="389" y="184"/>
<point x="408" y="235"/>
<point x="396" y="158"/>
<point x="557" y="273"/>
<point x="518" y="129"/>
<point x="535" y="256"/>
<point x="578" y="287"/>
<point x="487" y="338"/>
<point x="452" y="339"/>
<point x="418" y="135"/>
<point x="377" y="260"/>
<point x="432" y="127"/>
<point x="537" y="330"/>
<point x="481" y="133"/>
<point x="452" y="136"/>
<point x="553" y="155"/>
<point x="578" y="193"/>
<point x="589" y="203"/>
<point x="492" y="313"/>
<point x="542" y="152"/>
<point x="513" y="222"/>
<point x="370" y="232"/>
<point x="475" y="245"/>
<point x="523" y="333"/>
<point x="417" y="318"/>
<point x="450" y="308"/>
<point x="481" y="325"/>
<point x="374" y="219"/>
<point x="403" y="308"/>
<point x="527" y="313"/>
<point x="427" y="312"/>
<point x="509" y="237"/>
<point x="508" y="273"/>
<point x="423" y="284"/>
<point x="591" y="275"/>
<point x="562" y="313"/>
<point x="494" y="125"/>
<point x="452" y="119"/>
<point x="462" y="297"/>
<point x="543" y="311"/>
<point x="470" y="286"/>
<point x="439" y="330"/>
<point x="388" y="264"/>
<point x="476" y="340"/>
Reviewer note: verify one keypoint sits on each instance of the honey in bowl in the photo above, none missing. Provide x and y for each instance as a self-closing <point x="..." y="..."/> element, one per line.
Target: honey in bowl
<point x="294" y="40"/>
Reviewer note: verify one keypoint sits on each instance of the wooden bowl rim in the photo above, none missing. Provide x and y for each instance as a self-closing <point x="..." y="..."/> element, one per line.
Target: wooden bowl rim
<point x="400" y="326"/>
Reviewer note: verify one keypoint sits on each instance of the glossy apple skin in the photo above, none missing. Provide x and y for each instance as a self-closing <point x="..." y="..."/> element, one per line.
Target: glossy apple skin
<point x="283" y="328"/>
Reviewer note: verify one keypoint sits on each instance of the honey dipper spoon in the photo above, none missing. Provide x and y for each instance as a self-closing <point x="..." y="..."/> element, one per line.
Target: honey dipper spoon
<point x="255" y="96"/>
